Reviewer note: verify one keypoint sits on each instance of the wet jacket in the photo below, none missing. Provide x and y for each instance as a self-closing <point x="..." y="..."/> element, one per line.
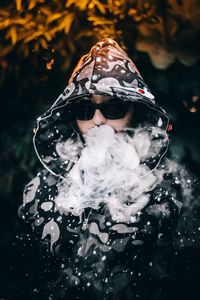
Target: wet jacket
<point x="102" y="258"/>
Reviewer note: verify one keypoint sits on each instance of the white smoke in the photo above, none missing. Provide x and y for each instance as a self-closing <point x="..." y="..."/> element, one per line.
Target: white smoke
<point x="109" y="171"/>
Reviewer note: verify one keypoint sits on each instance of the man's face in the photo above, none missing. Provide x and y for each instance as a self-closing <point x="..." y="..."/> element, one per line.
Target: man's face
<point x="99" y="119"/>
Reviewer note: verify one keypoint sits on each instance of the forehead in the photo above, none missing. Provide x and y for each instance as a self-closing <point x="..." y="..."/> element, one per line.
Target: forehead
<point x="100" y="98"/>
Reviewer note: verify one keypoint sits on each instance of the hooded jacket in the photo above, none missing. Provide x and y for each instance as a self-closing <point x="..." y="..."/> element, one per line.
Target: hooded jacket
<point x="103" y="258"/>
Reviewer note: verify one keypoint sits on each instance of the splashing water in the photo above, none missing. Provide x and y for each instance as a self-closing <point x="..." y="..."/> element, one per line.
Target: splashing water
<point x="110" y="170"/>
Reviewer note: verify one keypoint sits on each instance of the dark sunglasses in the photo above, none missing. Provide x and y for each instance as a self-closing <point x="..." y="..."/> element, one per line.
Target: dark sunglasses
<point x="84" y="110"/>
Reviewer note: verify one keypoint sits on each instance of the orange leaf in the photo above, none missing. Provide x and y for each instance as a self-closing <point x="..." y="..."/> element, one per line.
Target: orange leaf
<point x="18" y="4"/>
<point x="31" y="4"/>
<point x="53" y="17"/>
<point x="12" y="34"/>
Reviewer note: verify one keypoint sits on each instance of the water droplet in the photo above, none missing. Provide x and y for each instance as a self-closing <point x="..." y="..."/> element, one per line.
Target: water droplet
<point x="88" y="284"/>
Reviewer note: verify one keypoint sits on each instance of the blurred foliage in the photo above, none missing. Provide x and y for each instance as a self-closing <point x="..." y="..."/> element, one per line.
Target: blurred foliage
<point x="166" y="30"/>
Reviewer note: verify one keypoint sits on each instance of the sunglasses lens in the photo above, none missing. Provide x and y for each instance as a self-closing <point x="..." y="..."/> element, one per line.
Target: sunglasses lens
<point x="83" y="111"/>
<point x="111" y="110"/>
<point x="116" y="110"/>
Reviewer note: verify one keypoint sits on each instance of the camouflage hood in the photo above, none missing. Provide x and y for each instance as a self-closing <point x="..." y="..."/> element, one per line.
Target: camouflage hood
<point x="105" y="70"/>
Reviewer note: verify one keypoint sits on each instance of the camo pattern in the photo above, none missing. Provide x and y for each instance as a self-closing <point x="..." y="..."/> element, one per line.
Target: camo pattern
<point x="105" y="251"/>
<point x="107" y="69"/>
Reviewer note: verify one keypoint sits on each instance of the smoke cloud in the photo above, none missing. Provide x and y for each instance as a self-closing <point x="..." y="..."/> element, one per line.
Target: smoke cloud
<point x="110" y="169"/>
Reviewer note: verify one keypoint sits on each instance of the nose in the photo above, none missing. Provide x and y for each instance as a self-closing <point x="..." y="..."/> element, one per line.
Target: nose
<point x="98" y="118"/>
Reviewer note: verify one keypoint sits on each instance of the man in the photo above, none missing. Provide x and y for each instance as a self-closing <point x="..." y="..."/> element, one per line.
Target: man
<point x="107" y="201"/>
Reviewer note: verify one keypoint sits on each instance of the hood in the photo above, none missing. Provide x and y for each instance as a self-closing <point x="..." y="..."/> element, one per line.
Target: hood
<point x="105" y="70"/>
